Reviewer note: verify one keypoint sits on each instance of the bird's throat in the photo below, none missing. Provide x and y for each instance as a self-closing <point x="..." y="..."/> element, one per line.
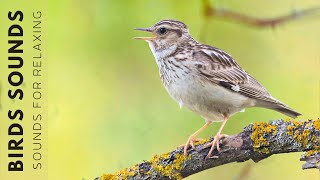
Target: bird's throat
<point x="162" y="52"/>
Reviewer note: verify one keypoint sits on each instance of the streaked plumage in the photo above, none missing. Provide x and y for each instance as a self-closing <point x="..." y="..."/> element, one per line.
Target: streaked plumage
<point x="205" y="79"/>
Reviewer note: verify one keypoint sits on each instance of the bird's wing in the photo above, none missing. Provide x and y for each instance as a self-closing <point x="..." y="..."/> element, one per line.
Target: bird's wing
<point x="220" y="68"/>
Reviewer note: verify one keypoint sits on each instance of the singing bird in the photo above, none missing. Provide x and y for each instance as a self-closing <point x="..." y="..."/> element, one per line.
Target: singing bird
<point x="205" y="79"/>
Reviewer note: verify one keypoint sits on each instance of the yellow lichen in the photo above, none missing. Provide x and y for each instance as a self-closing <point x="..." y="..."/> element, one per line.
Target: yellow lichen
<point x="202" y="142"/>
<point x="302" y="137"/>
<point x="311" y="152"/>
<point x="316" y="124"/>
<point x="121" y="175"/>
<point x="264" y="150"/>
<point x="287" y="120"/>
<point x="108" y="177"/>
<point x="290" y="130"/>
<point x="259" y="131"/>
<point x="308" y="125"/>
<point x="132" y="170"/>
<point x="171" y="170"/>
<point x="297" y="123"/>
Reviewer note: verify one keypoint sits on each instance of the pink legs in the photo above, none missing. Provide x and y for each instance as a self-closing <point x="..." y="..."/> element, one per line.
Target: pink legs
<point x="193" y="138"/>
<point x="215" y="142"/>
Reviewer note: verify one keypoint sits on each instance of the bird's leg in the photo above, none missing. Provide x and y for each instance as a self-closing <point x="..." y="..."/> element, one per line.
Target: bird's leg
<point x="216" y="139"/>
<point x="192" y="138"/>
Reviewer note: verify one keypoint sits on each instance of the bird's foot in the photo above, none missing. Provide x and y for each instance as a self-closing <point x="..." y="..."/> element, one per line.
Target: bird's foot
<point x="190" y="142"/>
<point x="213" y="144"/>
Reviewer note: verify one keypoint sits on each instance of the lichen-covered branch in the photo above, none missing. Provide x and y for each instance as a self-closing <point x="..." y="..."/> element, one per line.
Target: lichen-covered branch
<point x="211" y="11"/>
<point x="257" y="141"/>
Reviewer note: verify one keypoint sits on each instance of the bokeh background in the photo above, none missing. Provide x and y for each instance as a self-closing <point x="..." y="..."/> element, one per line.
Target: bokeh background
<point x="109" y="110"/>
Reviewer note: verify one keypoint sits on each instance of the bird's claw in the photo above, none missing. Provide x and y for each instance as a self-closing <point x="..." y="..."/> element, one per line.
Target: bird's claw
<point x="190" y="142"/>
<point x="213" y="144"/>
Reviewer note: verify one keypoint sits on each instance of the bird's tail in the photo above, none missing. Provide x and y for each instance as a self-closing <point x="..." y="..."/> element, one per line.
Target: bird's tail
<point x="287" y="111"/>
<point x="280" y="107"/>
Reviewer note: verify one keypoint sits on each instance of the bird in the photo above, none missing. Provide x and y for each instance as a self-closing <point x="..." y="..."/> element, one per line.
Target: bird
<point x="205" y="79"/>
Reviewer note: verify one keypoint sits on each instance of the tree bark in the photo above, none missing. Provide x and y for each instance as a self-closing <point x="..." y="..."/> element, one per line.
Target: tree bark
<point x="257" y="141"/>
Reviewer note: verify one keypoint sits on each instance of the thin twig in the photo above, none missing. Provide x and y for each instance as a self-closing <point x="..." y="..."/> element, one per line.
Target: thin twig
<point x="211" y="11"/>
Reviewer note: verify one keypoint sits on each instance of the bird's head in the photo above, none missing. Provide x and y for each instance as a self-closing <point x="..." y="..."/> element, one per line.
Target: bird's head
<point x="166" y="33"/>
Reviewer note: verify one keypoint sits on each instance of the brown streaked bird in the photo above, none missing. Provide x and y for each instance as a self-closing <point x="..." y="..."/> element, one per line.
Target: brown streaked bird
<point x="205" y="79"/>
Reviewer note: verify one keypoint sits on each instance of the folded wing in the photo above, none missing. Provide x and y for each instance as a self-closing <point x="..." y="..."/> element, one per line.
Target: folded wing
<point x="219" y="67"/>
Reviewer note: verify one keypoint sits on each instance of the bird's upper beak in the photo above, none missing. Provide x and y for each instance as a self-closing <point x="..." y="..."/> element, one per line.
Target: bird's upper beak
<point x="144" y="38"/>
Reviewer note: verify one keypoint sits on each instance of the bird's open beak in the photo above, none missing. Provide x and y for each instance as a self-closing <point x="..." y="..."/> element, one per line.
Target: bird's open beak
<point x="144" y="38"/>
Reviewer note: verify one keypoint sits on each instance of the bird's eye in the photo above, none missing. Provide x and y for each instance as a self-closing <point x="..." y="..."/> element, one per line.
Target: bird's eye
<point x="162" y="31"/>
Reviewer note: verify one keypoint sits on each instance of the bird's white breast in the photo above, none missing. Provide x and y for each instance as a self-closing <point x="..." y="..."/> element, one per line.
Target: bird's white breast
<point x="209" y="100"/>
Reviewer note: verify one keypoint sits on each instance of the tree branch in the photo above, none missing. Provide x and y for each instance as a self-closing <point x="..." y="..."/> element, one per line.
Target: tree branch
<point x="211" y="11"/>
<point x="257" y="141"/>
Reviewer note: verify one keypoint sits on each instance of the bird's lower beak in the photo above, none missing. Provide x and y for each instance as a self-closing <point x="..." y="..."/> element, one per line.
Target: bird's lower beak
<point x="144" y="38"/>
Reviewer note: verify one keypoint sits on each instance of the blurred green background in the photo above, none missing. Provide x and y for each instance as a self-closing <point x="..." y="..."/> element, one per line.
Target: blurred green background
<point x="109" y="110"/>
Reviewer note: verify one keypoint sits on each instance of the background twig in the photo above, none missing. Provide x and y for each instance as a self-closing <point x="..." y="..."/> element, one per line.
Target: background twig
<point x="211" y="11"/>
